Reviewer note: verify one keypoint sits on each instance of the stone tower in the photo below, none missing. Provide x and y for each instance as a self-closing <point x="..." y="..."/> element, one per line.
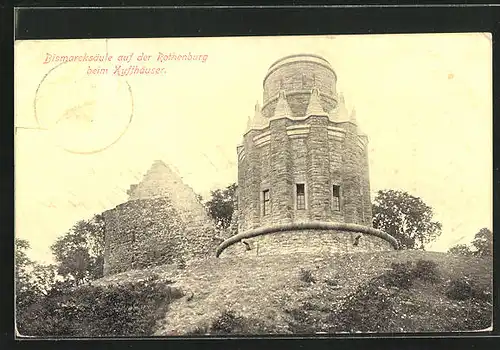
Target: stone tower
<point x="303" y="165"/>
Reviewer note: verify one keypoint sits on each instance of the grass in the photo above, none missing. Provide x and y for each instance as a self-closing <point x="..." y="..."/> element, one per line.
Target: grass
<point x="397" y="291"/>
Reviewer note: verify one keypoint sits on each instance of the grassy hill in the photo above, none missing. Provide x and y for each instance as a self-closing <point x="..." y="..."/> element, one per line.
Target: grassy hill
<point x="399" y="291"/>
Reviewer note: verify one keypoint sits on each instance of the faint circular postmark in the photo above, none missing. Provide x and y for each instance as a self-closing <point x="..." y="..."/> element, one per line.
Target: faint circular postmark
<point x="84" y="113"/>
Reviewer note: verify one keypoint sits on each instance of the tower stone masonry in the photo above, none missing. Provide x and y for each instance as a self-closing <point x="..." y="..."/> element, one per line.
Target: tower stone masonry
<point x="303" y="177"/>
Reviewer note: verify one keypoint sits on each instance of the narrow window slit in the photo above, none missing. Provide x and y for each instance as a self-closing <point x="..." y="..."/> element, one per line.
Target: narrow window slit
<point x="301" y="197"/>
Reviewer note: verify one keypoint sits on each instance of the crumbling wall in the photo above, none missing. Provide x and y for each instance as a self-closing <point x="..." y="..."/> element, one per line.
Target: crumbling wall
<point x="150" y="232"/>
<point x="161" y="181"/>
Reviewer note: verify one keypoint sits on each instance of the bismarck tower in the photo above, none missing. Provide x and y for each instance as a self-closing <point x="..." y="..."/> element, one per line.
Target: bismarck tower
<point x="303" y="179"/>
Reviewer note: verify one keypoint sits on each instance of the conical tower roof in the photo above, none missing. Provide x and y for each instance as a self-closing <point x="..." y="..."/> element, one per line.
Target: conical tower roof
<point x="249" y="123"/>
<point x="258" y="121"/>
<point x="314" y="107"/>
<point x="340" y="113"/>
<point x="282" y="108"/>
<point x="352" y="117"/>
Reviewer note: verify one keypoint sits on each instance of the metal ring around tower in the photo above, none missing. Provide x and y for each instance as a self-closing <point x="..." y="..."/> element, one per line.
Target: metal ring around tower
<point x="315" y="225"/>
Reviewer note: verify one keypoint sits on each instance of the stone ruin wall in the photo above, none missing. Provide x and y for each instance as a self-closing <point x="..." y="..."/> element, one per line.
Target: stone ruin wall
<point x="150" y="232"/>
<point x="162" y="223"/>
<point x="161" y="181"/>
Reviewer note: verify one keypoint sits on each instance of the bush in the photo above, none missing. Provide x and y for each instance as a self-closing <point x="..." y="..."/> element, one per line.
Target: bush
<point x="300" y="322"/>
<point x="130" y="309"/>
<point x="331" y="282"/>
<point x="426" y="270"/>
<point x="230" y="322"/>
<point x="227" y="322"/>
<point x="459" y="289"/>
<point x="306" y="276"/>
<point x="464" y="288"/>
<point x="181" y="265"/>
<point x="401" y="275"/>
<point x="199" y="330"/>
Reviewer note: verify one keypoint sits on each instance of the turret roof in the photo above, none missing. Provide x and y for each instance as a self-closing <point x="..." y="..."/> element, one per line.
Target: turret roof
<point x="314" y="107"/>
<point x="282" y="108"/>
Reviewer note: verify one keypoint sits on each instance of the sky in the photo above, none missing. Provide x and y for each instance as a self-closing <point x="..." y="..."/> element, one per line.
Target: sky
<point x="424" y="100"/>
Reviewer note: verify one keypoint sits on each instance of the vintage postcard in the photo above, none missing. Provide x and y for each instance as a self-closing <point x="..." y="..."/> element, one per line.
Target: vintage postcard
<point x="253" y="185"/>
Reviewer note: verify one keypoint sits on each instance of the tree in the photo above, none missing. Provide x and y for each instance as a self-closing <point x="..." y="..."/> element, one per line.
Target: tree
<point x="405" y="217"/>
<point x="43" y="278"/>
<point x="23" y="265"/>
<point x="460" y="249"/>
<point x="220" y="207"/>
<point x="33" y="280"/>
<point x="80" y="252"/>
<point x="483" y="243"/>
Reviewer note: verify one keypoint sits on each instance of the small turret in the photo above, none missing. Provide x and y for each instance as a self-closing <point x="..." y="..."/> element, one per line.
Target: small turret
<point x="249" y="123"/>
<point x="314" y="107"/>
<point x="352" y="117"/>
<point x="258" y="121"/>
<point x="340" y="113"/>
<point x="282" y="108"/>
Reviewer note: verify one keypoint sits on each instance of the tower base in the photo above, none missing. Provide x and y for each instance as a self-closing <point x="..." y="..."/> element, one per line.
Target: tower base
<point x="307" y="237"/>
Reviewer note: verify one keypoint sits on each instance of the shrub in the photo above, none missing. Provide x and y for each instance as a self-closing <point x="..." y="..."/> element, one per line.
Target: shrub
<point x="307" y="305"/>
<point x="230" y="322"/>
<point x="401" y="275"/>
<point x="227" y="322"/>
<point x="464" y="288"/>
<point x="96" y="311"/>
<point x="181" y="265"/>
<point x="199" y="330"/>
<point x="459" y="289"/>
<point x="426" y="270"/>
<point x="300" y="322"/>
<point x="331" y="282"/>
<point x="306" y="276"/>
<point x="483" y="295"/>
